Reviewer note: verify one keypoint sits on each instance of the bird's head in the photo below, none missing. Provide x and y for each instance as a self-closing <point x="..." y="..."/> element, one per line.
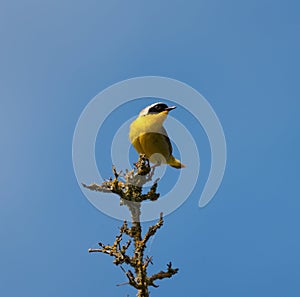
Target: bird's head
<point x="156" y="108"/>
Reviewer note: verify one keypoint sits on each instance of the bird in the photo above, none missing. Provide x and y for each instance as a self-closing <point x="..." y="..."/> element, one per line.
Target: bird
<point x="149" y="137"/>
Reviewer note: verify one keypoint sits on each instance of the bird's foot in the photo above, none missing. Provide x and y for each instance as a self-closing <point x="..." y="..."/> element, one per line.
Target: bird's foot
<point x="155" y="165"/>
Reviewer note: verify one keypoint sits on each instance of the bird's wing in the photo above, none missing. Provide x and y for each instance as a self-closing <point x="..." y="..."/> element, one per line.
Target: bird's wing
<point x="167" y="139"/>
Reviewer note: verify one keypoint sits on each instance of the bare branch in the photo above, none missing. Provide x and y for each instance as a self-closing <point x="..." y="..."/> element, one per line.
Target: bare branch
<point x="162" y="274"/>
<point x="129" y="188"/>
<point x="152" y="229"/>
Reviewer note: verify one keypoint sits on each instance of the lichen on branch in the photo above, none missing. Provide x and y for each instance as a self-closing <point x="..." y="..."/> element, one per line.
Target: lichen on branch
<point x="129" y="187"/>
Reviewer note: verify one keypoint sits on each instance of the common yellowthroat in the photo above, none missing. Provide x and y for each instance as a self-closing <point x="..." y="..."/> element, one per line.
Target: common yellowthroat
<point x="149" y="137"/>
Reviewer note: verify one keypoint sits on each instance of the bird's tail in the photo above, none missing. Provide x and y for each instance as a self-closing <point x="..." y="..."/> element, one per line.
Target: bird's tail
<point x="175" y="163"/>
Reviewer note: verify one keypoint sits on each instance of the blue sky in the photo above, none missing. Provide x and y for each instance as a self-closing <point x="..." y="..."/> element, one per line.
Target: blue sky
<point x="243" y="56"/>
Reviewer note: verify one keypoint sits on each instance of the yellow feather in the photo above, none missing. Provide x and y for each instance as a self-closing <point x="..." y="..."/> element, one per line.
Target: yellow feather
<point x="149" y="137"/>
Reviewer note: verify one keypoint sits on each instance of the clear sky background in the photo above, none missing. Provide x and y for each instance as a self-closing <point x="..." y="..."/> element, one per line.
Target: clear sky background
<point x="243" y="56"/>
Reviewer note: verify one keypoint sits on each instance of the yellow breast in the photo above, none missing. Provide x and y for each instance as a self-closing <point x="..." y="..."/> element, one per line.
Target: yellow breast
<point x="149" y="137"/>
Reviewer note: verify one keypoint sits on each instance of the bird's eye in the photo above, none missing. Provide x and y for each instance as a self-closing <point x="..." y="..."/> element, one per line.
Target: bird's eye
<point x="157" y="108"/>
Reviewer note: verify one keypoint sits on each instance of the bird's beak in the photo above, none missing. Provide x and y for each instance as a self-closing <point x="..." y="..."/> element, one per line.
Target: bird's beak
<point x="170" y="108"/>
